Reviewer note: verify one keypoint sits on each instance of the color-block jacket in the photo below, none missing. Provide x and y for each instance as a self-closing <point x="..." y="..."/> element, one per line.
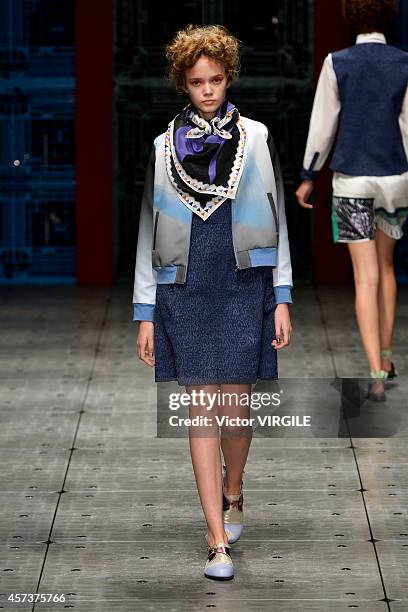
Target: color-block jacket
<point x="259" y="230"/>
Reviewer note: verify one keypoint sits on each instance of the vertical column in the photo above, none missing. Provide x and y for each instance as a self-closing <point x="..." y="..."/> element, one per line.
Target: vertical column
<point x="93" y="134"/>
<point x="331" y="261"/>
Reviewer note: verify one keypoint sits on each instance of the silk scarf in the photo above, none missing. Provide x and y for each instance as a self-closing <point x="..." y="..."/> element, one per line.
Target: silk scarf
<point x="205" y="158"/>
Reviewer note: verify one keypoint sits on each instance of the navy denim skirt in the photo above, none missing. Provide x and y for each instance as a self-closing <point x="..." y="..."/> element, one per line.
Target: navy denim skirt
<point x="218" y="326"/>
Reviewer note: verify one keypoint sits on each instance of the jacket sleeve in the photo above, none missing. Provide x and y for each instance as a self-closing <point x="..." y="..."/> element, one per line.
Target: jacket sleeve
<point x="144" y="291"/>
<point x="323" y="121"/>
<point x="403" y="122"/>
<point x="282" y="273"/>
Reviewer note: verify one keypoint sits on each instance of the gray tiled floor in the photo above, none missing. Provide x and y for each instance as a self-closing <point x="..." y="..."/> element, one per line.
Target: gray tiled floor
<point x="95" y="507"/>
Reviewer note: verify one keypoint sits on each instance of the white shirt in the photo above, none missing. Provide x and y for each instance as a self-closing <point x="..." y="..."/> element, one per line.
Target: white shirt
<point x="326" y="110"/>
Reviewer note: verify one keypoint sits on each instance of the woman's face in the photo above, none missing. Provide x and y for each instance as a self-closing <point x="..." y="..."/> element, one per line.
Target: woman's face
<point x="206" y="84"/>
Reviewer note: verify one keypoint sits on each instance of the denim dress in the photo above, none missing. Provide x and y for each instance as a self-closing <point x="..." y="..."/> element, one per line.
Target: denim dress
<point x="218" y="326"/>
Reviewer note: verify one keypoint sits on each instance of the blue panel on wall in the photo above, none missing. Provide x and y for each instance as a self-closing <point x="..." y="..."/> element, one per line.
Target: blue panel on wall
<point x="37" y="149"/>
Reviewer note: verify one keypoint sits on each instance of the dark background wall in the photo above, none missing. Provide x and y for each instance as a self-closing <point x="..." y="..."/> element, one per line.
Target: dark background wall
<point x="83" y="94"/>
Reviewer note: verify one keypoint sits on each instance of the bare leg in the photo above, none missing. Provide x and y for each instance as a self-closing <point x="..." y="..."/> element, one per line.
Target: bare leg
<point x="206" y="459"/>
<point x="387" y="295"/>
<point x="235" y="441"/>
<point x="366" y="279"/>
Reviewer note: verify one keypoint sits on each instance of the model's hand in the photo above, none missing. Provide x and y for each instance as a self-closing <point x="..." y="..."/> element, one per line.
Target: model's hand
<point x="283" y="327"/>
<point x="145" y="348"/>
<point x="304" y="192"/>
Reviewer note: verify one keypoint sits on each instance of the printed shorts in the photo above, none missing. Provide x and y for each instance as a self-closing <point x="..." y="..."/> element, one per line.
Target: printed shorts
<point x="353" y="219"/>
<point x="361" y="204"/>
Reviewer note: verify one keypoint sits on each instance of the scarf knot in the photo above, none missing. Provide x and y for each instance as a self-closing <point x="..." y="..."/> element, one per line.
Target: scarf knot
<point x="214" y="126"/>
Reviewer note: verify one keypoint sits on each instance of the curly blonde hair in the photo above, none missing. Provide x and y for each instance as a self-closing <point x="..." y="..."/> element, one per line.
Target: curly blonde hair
<point x="366" y="16"/>
<point x="188" y="44"/>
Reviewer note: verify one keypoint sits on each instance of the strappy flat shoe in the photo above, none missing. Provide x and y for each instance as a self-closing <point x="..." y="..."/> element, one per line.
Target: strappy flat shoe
<point x="232" y="511"/>
<point x="387" y="354"/>
<point x="219" y="564"/>
<point x="393" y="372"/>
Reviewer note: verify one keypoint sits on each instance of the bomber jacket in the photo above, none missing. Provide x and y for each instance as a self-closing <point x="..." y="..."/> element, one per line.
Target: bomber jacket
<point x="259" y="230"/>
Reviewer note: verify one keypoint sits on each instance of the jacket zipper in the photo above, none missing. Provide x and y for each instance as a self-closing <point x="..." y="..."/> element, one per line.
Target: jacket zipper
<point x="274" y="211"/>
<point x="188" y="242"/>
<point x="156" y="218"/>
<point x="232" y="228"/>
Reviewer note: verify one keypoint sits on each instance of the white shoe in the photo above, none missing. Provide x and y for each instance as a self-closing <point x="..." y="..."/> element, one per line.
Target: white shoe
<point x="219" y="564"/>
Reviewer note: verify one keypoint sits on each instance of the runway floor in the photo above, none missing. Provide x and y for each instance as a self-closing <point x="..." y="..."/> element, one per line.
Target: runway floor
<point x="103" y="515"/>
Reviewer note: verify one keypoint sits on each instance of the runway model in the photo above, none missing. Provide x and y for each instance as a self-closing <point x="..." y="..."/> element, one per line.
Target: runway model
<point x="213" y="274"/>
<point x="362" y="93"/>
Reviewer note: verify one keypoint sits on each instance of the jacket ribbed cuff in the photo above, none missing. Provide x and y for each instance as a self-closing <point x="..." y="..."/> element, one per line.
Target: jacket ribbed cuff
<point x="143" y="312"/>
<point x="283" y="294"/>
<point x="308" y="175"/>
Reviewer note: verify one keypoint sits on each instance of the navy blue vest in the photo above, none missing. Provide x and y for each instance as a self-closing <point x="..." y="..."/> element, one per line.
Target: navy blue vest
<point x="372" y="80"/>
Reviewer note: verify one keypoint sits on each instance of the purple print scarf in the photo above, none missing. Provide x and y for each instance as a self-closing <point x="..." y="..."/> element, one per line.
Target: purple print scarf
<point x="205" y="154"/>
